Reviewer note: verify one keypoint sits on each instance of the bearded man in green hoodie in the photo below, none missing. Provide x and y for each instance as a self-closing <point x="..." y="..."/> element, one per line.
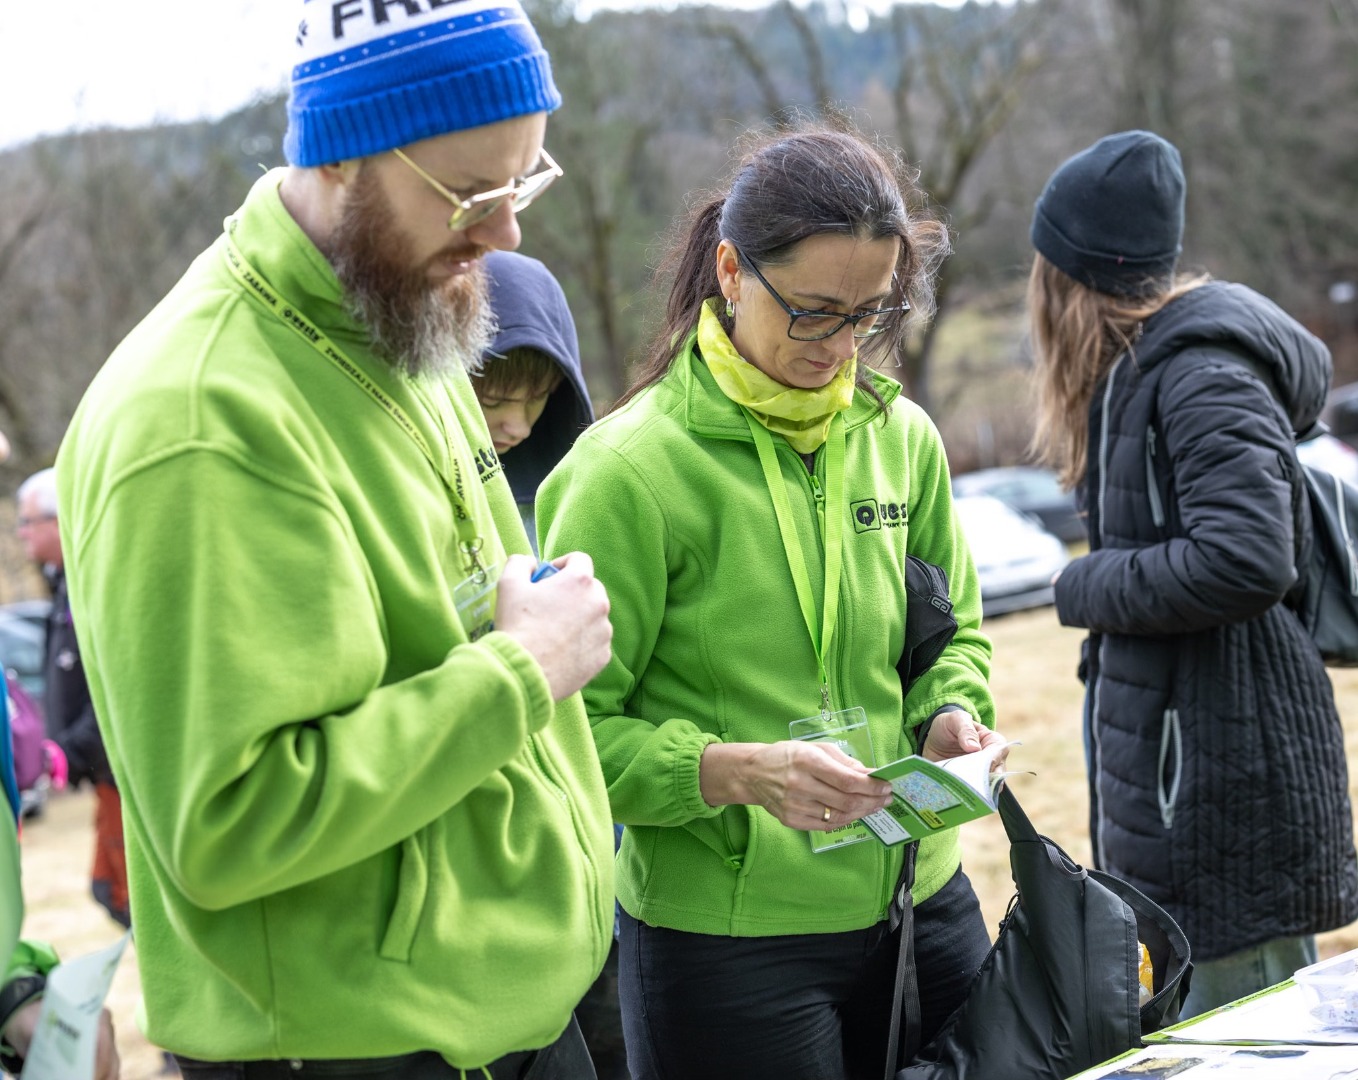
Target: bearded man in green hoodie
<point x="365" y="824"/>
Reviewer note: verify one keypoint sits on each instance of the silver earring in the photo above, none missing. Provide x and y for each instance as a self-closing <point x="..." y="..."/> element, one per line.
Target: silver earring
<point x="730" y="308"/>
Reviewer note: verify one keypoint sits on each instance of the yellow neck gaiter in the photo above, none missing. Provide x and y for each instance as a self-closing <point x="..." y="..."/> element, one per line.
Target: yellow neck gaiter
<point x="802" y="417"/>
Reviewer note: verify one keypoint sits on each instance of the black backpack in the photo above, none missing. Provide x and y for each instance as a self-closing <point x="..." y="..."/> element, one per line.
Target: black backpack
<point x="1325" y="596"/>
<point x="929" y="621"/>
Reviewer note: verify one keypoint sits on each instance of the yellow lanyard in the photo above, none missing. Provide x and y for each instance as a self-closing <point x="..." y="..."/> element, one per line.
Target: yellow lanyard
<point x="834" y="539"/>
<point x="256" y="285"/>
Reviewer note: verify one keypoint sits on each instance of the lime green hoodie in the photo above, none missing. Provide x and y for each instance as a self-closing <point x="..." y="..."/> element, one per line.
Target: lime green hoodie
<point x="668" y="497"/>
<point x="351" y="832"/>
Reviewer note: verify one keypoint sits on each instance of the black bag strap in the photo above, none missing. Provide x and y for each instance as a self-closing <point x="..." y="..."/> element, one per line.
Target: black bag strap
<point x="905" y="1008"/>
<point x="1016" y="824"/>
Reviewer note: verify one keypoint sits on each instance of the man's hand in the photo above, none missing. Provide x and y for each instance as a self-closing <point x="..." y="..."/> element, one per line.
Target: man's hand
<point x="562" y="619"/>
<point x="19" y="1034"/>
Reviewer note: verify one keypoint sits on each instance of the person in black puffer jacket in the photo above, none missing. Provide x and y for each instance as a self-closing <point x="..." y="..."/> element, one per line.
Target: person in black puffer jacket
<point x="1218" y="782"/>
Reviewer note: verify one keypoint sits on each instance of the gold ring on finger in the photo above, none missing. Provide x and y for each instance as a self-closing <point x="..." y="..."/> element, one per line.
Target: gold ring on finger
<point x="825" y="816"/>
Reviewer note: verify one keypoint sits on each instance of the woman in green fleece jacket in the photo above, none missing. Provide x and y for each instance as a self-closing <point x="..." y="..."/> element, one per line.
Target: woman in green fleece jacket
<point x="749" y="506"/>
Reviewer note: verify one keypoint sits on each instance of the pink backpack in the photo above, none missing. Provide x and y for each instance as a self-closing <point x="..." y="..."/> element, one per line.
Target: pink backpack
<point x="27" y="732"/>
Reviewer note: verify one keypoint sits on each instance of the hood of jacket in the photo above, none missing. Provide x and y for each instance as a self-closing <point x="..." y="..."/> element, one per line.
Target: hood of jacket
<point x="1234" y="317"/>
<point x="532" y="312"/>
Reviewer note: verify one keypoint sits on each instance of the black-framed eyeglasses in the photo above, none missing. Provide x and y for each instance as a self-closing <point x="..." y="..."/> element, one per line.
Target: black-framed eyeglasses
<point x="518" y="193"/>
<point x="818" y="325"/>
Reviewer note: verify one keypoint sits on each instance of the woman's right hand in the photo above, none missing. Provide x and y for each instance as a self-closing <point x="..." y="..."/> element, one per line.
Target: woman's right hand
<point x="805" y="785"/>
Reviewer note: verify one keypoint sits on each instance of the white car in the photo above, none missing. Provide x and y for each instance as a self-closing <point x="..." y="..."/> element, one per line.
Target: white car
<point x="1015" y="557"/>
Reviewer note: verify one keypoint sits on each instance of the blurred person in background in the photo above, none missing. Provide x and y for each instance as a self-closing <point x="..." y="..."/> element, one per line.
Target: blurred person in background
<point x="1218" y="781"/>
<point x="75" y="747"/>
<point x="28" y="962"/>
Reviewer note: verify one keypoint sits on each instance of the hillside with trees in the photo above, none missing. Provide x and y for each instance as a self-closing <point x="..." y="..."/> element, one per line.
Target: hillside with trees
<point x="985" y="100"/>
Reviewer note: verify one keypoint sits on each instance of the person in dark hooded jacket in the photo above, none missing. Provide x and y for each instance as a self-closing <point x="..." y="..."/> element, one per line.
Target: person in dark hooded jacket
<point x="531" y="387"/>
<point x="1218" y="783"/>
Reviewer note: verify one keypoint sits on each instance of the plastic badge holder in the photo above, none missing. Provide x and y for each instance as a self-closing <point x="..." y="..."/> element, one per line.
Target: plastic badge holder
<point x="848" y="730"/>
<point x="1331" y="990"/>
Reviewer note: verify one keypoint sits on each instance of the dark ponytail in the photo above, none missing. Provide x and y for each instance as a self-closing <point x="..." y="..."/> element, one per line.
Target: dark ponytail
<point x="785" y="189"/>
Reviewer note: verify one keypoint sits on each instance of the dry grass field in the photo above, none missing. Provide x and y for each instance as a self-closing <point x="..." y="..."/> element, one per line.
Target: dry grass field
<point x="1039" y="704"/>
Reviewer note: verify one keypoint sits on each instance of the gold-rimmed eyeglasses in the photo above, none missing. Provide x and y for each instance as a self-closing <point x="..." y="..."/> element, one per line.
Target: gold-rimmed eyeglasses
<point x="473" y="208"/>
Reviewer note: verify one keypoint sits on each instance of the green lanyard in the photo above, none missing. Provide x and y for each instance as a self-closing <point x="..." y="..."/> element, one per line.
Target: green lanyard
<point x="469" y="541"/>
<point x="834" y="539"/>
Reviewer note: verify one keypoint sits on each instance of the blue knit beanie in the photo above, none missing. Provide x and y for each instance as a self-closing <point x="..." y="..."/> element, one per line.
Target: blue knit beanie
<point x="372" y="75"/>
<point x="1112" y="216"/>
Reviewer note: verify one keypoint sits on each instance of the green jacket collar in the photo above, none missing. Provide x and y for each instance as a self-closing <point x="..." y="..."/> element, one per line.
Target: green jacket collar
<point x="709" y="412"/>
<point x="272" y="241"/>
<point x="274" y="244"/>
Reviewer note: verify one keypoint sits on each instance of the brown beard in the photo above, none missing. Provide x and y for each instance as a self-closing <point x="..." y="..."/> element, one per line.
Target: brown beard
<point x="414" y="325"/>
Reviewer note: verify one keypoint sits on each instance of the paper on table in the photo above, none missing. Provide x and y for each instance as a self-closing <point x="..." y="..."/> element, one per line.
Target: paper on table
<point x="68" y="1027"/>
<point x="1277" y="1015"/>
<point x="1222" y="1062"/>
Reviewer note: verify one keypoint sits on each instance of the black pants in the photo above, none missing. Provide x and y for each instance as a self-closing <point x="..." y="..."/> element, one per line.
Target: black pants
<point x="804" y="1007"/>
<point x="601" y="1022"/>
<point x="565" y="1059"/>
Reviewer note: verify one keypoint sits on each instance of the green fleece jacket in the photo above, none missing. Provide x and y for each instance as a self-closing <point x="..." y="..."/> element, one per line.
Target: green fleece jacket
<point x="350" y="831"/>
<point x="668" y="497"/>
<point x="23" y="957"/>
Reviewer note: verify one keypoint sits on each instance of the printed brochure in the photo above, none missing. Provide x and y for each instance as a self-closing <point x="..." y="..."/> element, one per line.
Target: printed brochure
<point x="931" y="796"/>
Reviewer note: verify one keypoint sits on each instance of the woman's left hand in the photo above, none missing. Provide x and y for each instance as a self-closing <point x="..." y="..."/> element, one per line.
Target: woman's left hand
<point x="954" y="733"/>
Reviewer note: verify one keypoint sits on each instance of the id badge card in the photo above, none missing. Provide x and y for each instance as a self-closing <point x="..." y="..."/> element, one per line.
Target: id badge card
<point x="848" y="730"/>
<point x="474" y="600"/>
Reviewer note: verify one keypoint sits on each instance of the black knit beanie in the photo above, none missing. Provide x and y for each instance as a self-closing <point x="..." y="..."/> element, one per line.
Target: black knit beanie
<point x="1112" y="216"/>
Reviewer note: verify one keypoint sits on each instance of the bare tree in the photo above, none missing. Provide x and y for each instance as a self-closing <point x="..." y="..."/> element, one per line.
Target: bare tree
<point x="961" y="76"/>
<point x="18" y="296"/>
<point x="1148" y="40"/>
<point x="595" y="232"/>
<point x="119" y="215"/>
<point x="750" y="51"/>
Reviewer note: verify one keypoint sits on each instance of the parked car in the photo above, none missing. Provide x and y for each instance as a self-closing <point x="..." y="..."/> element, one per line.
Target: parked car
<point x="1029" y="490"/>
<point x="23" y="640"/>
<point x="1015" y="557"/>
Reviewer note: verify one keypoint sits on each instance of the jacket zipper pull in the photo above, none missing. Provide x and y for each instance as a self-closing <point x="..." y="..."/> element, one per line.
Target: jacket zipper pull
<point x="1152" y="485"/>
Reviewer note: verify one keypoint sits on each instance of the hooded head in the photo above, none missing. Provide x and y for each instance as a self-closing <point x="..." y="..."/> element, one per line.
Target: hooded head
<point x="1112" y="216"/>
<point x="531" y="310"/>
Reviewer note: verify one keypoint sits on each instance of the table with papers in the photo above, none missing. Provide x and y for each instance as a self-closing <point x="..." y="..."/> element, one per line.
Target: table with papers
<point x="1269" y="1034"/>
